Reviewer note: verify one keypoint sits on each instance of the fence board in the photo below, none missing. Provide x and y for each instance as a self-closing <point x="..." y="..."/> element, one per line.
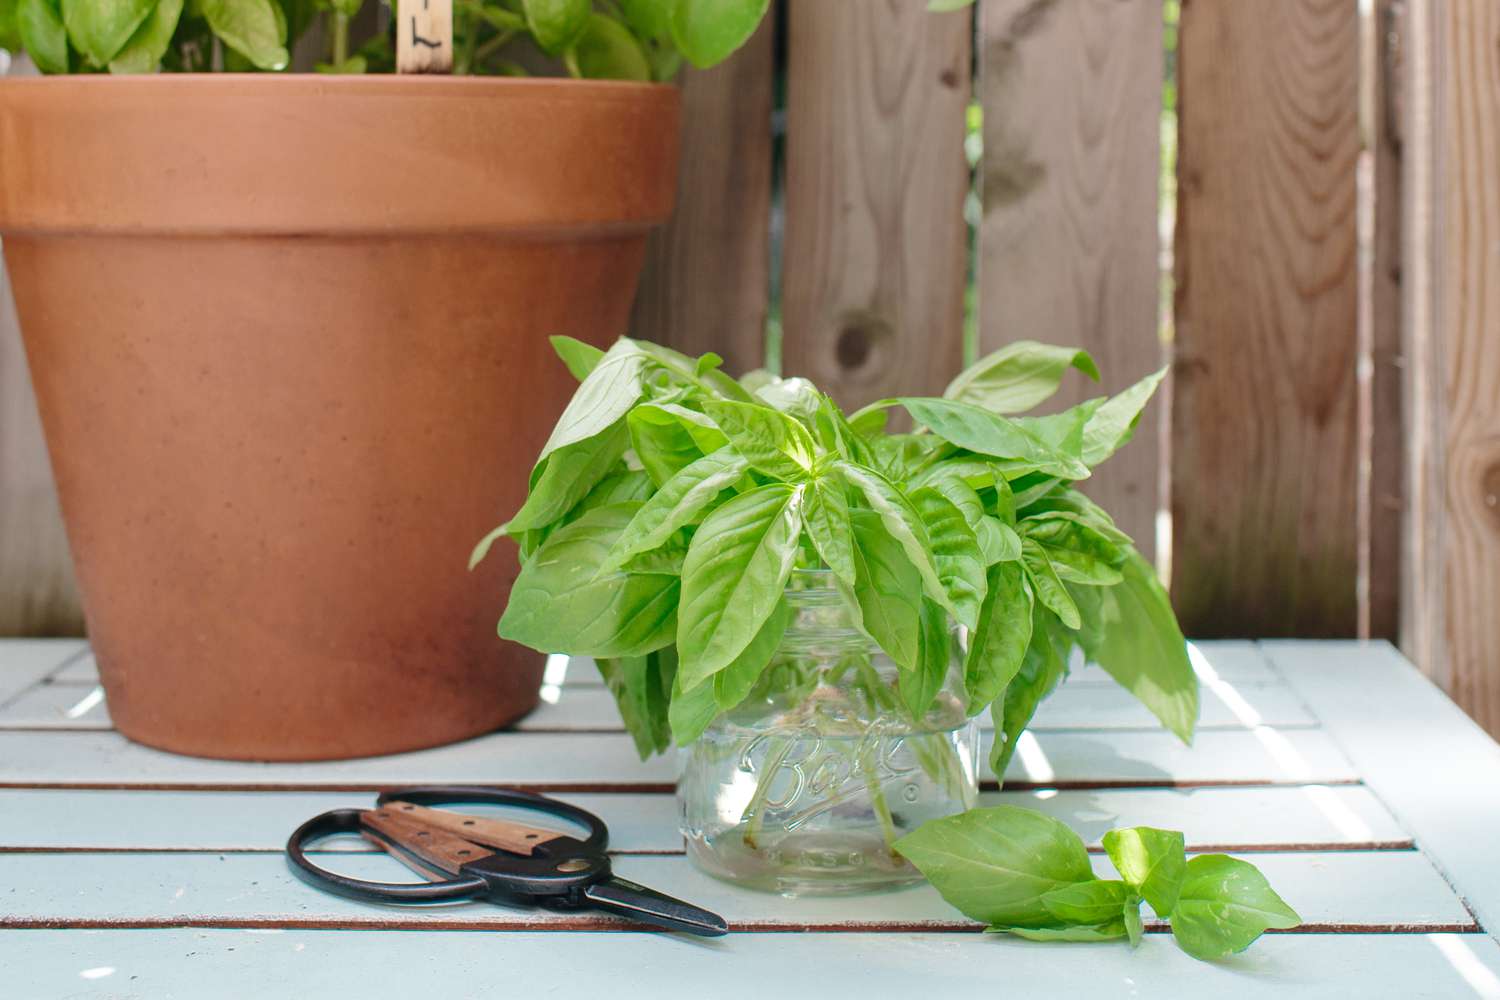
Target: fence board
<point x="1069" y="244"/>
<point x="707" y="274"/>
<point x="875" y="183"/>
<point x="1264" y="423"/>
<point x="1452" y="313"/>
<point x="37" y="592"/>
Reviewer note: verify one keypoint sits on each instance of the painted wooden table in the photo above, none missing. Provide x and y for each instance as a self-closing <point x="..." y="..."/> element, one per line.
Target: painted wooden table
<point x="1372" y="804"/>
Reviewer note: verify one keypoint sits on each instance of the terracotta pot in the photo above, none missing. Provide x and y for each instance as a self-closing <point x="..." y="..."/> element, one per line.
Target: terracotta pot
<point x="289" y="340"/>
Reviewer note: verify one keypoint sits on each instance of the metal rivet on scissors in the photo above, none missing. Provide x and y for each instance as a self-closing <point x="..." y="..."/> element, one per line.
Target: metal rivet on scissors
<point x="475" y="857"/>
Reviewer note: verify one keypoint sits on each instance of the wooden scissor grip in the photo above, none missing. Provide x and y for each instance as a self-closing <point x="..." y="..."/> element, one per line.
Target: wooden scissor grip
<point x="516" y="838"/>
<point x="425" y="849"/>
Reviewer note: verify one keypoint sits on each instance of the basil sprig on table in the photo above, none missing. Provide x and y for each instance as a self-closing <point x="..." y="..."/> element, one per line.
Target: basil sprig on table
<point x="1028" y="874"/>
<point x="671" y="504"/>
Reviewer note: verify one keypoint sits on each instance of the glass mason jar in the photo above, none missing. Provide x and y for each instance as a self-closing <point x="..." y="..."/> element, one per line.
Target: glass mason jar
<point x="804" y="786"/>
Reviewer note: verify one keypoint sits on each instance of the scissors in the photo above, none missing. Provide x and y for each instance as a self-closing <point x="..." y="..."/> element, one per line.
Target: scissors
<point x="478" y="857"/>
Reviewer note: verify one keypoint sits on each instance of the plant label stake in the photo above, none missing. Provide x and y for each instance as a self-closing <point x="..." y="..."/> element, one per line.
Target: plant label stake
<point x="424" y="36"/>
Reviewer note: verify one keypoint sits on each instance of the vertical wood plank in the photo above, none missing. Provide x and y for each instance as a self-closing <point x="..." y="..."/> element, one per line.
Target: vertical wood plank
<point x="1380" y="327"/>
<point x="37" y="592"/>
<point x="1451" y="292"/>
<point x="1069" y="245"/>
<point x="707" y="274"/>
<point x="875" y="183"/>
<point x="1264" y="422"/>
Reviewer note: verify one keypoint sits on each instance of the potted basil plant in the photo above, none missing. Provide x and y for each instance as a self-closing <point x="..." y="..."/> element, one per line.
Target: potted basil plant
<point x="818" y="607"/>
<point x="284" y="335"/>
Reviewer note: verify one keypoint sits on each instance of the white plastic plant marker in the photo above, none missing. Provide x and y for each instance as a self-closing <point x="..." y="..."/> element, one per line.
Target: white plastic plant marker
<point x="424" y="36"/>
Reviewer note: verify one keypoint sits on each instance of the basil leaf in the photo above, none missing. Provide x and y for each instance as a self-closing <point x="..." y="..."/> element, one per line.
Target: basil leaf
<point x="608" y="51"/>
<point x="903" y="523"/>
<point x="1044" y="665"/>
<point x="650" y="19"/>
<point x="40" y="25"/>
<point x="1224" y="906"/>
<point x="998" y="541"/>
<point x="997" y="645"/>
<point x="560" y="603"/>
<point x="736" y="570"/>
<point x="955" y="553"/>
<point x="705" y="434"/>
<point x="662" y="444"/>
<point x="604" y="396"/>
<point x="1129" y="630"/>
<point x="668" y="558"/>
<point x="827" y="523"/>
<point x="1089" y="903"/>
<point x="567" y="475"/>
<point x="253" y="28"/>
<point x="10" y="38"/>
<point x="143" y="52"/>
<point x="1018" y="376"/>
<point x="796" y="397"/>
<point x="771" y="441"/>
<point x="556" y="24"/>
<point x="1006" y="503"/>
<point x="996" y="864"/>
<point x="1112" y="424"/>
<point x="887" y="589"/>
<point x="1130" y="917"/>
<point x="636" y="684"/>
<point x="1151" y="861"/>
<point x="989" y="434"/>
<point x="1083" y="568"/>
<point x="1111" y="931"/>
<point x="691" y="712"/>
<point x="734" y="682"/>
<point x="100" y="28"/>
<point x="580" y="358"/>
<point x="1046" y="585"/>
<point x="679" y="502"/>
<point x="919" y="687"/>
<point x="708" y="31"/>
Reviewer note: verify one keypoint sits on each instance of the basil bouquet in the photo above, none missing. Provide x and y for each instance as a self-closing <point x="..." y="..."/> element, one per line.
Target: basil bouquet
<point x="672" y="502"/>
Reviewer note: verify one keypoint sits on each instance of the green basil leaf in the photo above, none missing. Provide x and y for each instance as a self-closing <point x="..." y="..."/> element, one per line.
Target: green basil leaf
<point x="1000" y="437"/>
<point x="608" y="51"/>
<point x="736" y="570"/>
<point x="1018" y="376"/>
<point x="10" y="35"/>
<point x="997" y="645"/>
<point x="650" y="19"/>
<point x="1048" y="509"/>
<point x="253" y="28"/>
<point x="143" y="52"/>
<point x="771" y="441"/>
<point x="827" y="523"/>
<point x="1151" y="861"/>
<point x="708" y="31"/>
<point x="40" y="25"/>
<point x="691" y="711"/>
<point x="1031" y="489"/>
<point x="887" y="589"/>
<point x="663" y="444"/>
<point x="704" y="432"/>
<point x="919" y="688"/>
<point x="711" y="381"/>
<point x="996" y="864"/>
<point x="735" y="681"/>
<point x="580" y="358"/>
<point x="1005" y="502"/>
<point x="1111" y="426"/>
<point x="635" y="683"/>
<point x="998" y="541"/>
<point x="903" y="523"/>
<point x="100" y="28"/>
<point x="1046" y="585"/>
<point x="561" y="604"/>
<point x="796" y="397"/>
<point x="1089" y="903"/>
<point x="1224" y="906"/>
<point x="1042" y="668"/>
<point x="955" y="552"/>
<point x="566" y="476"/>
<point x="482" y="548"/>
<point x="1112" y="931"/>
<point x="1130" y="917"/>
<point x="1129" y="630"/>
<point x="679" y="502"/>
<point x="668" y="558"/>
<point x="556" y="24"/>
<point x="1085" y="568"/>
<point x="602" y="398"/>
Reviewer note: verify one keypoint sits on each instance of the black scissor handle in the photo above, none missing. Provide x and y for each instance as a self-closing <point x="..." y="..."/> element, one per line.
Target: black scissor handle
<point x="347" y="821"/>
<point x="337" y="821"/>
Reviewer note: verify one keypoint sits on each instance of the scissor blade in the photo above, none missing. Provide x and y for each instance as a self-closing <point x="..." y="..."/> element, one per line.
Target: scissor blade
<point x="622" y="896"/>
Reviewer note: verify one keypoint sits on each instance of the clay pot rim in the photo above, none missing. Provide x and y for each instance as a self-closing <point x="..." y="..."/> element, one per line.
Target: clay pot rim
<point x="310" y="155"/>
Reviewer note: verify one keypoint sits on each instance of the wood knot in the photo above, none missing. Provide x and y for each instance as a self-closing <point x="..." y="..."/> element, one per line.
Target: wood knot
<point x="860" y="347"/>
<point x="1489" y="492"/>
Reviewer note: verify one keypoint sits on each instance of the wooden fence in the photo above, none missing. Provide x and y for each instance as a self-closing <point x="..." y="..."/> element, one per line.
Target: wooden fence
<point x="1330" y="451"/>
